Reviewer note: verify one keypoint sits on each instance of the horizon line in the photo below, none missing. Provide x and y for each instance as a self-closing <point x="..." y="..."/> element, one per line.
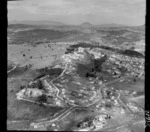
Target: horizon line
<point x="9" y="21"/>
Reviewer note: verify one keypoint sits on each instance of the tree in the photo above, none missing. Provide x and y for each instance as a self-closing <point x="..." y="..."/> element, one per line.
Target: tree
<point x="22" y="87"/>
<point x="108" y="105"/>
<point x="40" y="85"/>
<point x="42" y="98"/>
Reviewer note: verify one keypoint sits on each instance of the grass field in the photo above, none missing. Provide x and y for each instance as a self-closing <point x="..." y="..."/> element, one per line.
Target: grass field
<point x="128" y="84"/>
<point x="39" y="56"/>
<point x="22" y="110"/>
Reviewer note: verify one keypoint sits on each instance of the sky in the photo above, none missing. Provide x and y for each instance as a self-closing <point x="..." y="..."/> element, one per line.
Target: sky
<point x="127" y="12"/>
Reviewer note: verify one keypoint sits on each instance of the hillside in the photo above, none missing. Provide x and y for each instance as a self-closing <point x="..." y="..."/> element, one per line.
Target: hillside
<point x="43" y="22"/>
<point x="86" y="25"/>
<point x="39" y="35"/>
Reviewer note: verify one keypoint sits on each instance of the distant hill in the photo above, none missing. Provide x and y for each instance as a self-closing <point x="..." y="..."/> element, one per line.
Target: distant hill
<point x="111" y="25"/>
<point x="86" y="25"/>
<point x="43" y="22"/>
<point x="14" y="26"/>
<point x="36" y="36"/>
<point x="66" y="28"/>
<point x="142" y="27"/>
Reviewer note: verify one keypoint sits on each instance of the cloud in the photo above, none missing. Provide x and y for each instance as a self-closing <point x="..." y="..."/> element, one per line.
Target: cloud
<point x="68" y="7"/>
<point x="92" y="8"/>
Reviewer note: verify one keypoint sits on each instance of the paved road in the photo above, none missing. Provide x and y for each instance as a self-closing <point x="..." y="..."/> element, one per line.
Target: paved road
<point x="59" y="117"/>
<point x="68" y="111"/>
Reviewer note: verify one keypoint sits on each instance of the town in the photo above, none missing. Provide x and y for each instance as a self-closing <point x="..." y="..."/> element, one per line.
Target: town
<point x="71" y="88"/>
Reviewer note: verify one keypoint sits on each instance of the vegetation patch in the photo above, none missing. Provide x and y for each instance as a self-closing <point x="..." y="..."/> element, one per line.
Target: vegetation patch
<point x="39" y="35"/>
<point x="90" y="70"/>
<point x="72" y="48"/>
<point x="47" y="71"/>
<point x="18" y="71"/>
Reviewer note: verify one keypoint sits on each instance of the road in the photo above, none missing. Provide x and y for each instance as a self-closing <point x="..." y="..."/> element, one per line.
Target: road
<point x="118" y="98"/>
<point x="57" y="92"/>
<point x="65" y="113"/>
<point x="46" y="123"/>
<point x="59" y="117"/>
<point x="104" y="85"/>
<point x="12" y="69"/>
<point x="123" y="103"/>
